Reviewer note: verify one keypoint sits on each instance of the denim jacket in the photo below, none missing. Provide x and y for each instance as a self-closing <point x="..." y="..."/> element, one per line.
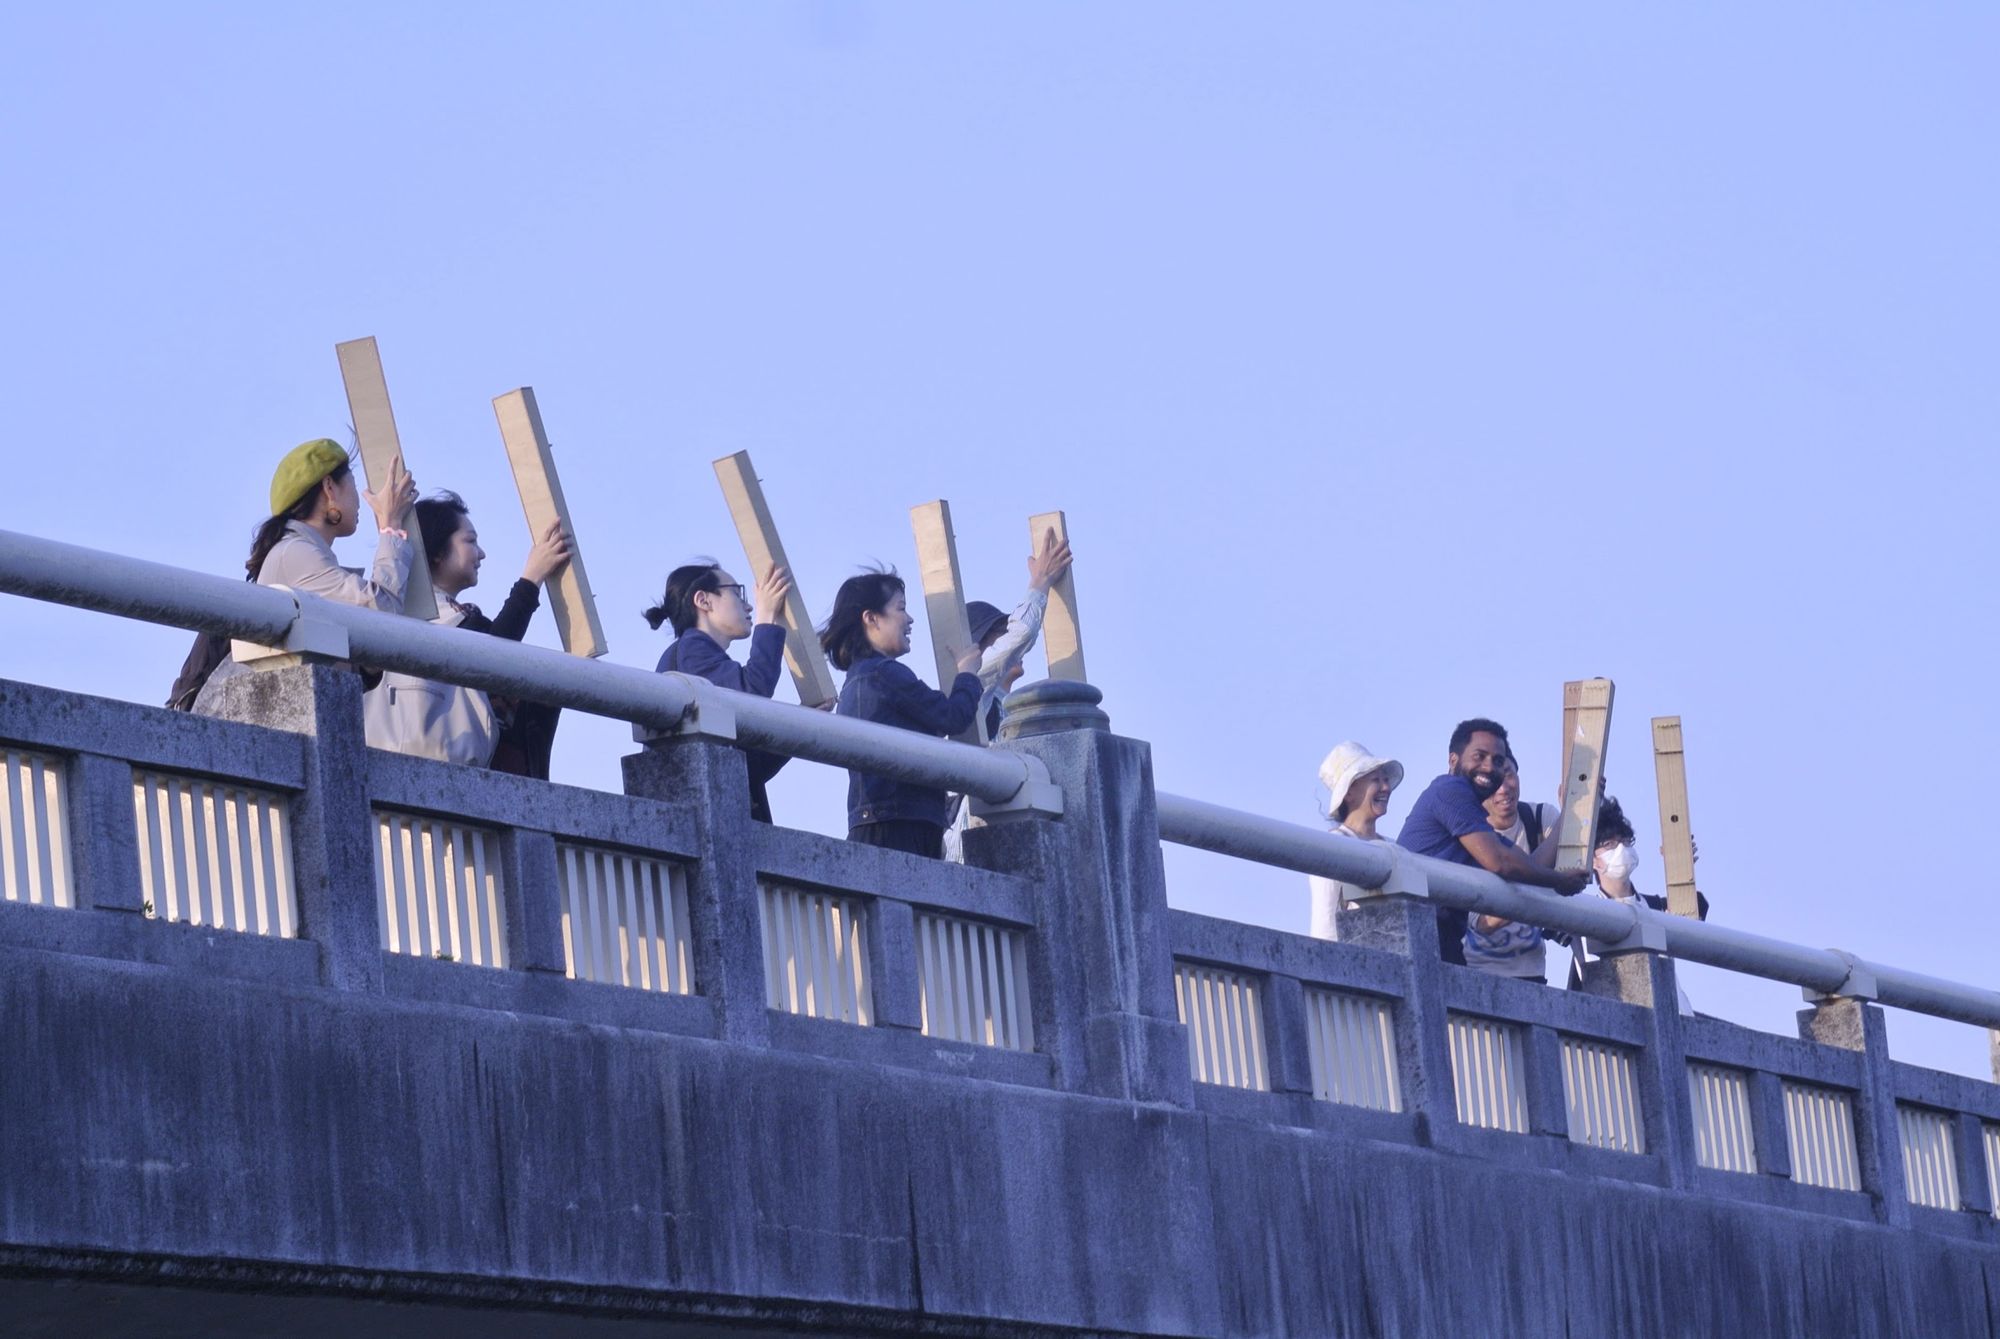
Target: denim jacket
<point x="884" y="690"/>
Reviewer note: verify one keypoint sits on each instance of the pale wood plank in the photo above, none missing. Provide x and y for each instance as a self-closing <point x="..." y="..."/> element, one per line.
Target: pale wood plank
<point x="1676" y="838"/>
<point x="1062" y="634"/>
<point x="759" y="533"/>
<point x="375" y="433"/>
<point x="542" y="501"/>
<point x="944" y="595"/>
<point x="1587" y="712"/>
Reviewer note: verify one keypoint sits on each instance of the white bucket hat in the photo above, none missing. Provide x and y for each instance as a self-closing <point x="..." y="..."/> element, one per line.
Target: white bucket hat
<point x="1347" y="764"/>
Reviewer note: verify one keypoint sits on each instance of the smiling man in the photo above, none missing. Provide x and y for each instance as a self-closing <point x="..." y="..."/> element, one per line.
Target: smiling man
<point x="1449" y="821"/>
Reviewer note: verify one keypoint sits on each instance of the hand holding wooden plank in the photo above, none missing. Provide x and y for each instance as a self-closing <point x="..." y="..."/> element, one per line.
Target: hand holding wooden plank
<point x="1062" y="635"/>
<point x="1676" y="838"/>
<point x="1587" y="720"/>
<point x="535" y="478"/>
<point x="759" y="533"/>
<point x="944" y="596"/>
<point x="375" y="432"/>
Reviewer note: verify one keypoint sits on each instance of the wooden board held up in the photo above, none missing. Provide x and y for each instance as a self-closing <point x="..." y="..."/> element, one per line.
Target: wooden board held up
<point x="375" y="433"/>
<point x="1676" y="839"/>
<point x="1062" y="635"/>
<point x="542" y="500"/>
<point x="944" y="594"/>
<point x="759" y="533"/>
<point x="1587" y="720"/>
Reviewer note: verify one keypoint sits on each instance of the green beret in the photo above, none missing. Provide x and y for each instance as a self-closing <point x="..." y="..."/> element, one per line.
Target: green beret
<point x="302" y="469"/>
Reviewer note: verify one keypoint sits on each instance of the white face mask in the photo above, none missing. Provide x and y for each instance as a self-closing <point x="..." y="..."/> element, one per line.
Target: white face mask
<point x="1618" y="862"/>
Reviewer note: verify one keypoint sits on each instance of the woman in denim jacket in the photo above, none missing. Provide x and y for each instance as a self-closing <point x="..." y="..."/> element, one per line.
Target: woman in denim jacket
<point x="868" y="631"/>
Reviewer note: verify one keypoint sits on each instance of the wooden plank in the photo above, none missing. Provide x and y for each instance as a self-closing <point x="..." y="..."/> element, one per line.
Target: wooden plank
<point x="542" y="500"/>
<point x="944" y="595"/>
<point x="1587" y="714"/>
<point x="1676" y="839"/>
<point x="810" y="672"/>
<point x="1062" y="635"/>
<point x="375" y="433"/>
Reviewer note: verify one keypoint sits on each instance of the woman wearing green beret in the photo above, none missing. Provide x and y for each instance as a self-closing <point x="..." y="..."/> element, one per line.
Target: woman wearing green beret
<point x="314" y="501"/>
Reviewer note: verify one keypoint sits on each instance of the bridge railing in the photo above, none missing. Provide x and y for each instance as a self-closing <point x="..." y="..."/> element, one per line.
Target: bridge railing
<point x="276" y="847"/>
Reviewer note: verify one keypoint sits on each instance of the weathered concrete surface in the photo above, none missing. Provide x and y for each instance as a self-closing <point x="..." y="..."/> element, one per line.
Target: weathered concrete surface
<point x="327" y="1136"/>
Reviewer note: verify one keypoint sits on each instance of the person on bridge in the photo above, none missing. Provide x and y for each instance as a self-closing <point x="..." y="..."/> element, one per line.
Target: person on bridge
<point x="1358" y="786"/>
<point x="1613" y="862"/>
<point x="708" y="610"/>
<point x="314" y="501"/>
<point x="427" y="718"/>
<point x="868" y="631"/>
<point x="1494" y="943"/>
<point x="1449" y="822"/>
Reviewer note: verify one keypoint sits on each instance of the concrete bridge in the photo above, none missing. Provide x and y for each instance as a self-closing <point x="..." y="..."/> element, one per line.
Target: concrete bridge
<point x="300" y="1036"/>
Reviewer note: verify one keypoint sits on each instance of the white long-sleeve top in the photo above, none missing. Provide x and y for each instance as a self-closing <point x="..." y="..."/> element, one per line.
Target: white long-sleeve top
<point x="303" y="560"/>
<point x="1024" y="625"/>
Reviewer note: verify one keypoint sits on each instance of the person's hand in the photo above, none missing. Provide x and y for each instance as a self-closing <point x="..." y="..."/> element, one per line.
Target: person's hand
<point x="1047" y="566"/>
<point x="1570" y="881"/>
<point x="968" y="663"/>
<point x="547" y="556"/>
<point x="827" y="706"/>
<point x="772" y="588"/>
<point x="391" y="502"/>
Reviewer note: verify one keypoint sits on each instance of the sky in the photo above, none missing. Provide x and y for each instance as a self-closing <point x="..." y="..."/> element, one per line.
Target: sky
<point x="1393" y="364"/>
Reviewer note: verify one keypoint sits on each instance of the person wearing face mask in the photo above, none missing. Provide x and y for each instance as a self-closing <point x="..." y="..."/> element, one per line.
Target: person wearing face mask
<point x="1494" y="943"/>
<point x="1614" y="862"/>
<point x="865" y="636"/>
<point x="1449" y="822"/>
<point x="1359" y="785"/>
<point x="709" y="610"/>
<point x="449" y="722"/>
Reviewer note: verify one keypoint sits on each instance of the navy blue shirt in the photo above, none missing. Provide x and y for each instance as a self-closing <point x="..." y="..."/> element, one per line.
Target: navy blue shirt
<point x="695" y="652"/>
<point x="880" y="689"/>
<point x="1450" y="807"/>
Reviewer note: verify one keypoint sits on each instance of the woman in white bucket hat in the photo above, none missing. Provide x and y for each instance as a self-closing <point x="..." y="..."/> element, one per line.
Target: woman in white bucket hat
<point x="1360" y="785"/>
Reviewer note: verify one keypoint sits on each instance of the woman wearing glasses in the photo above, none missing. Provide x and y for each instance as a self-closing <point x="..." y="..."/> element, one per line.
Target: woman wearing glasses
<point x="709" y="609"/>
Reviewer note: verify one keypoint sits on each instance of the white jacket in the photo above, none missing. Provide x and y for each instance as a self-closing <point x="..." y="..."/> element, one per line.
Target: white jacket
<point x="427" y="719"/>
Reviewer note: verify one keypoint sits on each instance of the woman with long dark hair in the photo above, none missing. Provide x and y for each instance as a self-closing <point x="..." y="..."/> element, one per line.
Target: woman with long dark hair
<point x="449" y="722"/>
<point x="866" y="635"/>
<point x="314" y="501"/>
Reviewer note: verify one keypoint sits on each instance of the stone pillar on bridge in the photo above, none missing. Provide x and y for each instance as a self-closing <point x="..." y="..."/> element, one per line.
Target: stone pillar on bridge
<point x="333" y="826"/>
<point x="701" y="765"/>
<point x="1853" y="1022"/>
<point x="1642" y="973"/>
<point x="1101" y="899"/>
<point x="1401" y="919"/>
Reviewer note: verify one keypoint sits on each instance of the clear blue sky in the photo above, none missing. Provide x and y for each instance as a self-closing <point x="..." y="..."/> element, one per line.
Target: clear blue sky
<point x="1393" y="364"/>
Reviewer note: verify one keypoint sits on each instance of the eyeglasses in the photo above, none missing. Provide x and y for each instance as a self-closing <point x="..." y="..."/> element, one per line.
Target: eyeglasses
<point x="737" y="586"/>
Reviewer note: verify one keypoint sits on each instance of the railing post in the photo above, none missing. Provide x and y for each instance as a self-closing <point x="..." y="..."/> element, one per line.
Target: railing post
<point x="1548" y="1103"/>
<point x="1768" y="1128"/>
<point x="1288" y="1050"/>
<point x="104" y="834"/>
<point x="726" y="923"/>
<point x="534" y="904"/>
<point x="333" y="826"/>
<point x="1101" y="899"/>
<point x="1968" y="1143"/>
<point x="891" y="933"/>
<point x="1644" y="975"/>
<point x="1853" y="1023"/>
<point x="1402" y="919"/>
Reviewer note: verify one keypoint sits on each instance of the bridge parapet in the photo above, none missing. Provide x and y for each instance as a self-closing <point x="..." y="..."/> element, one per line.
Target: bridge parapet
<point x="293" y="974"/>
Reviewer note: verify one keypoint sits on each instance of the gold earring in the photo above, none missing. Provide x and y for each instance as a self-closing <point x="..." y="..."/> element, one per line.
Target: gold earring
<point x="333" y="516"/>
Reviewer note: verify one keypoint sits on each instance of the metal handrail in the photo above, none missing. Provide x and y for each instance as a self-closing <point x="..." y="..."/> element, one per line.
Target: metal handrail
<point x="69" y="574"/>
<point x="135" y="588"/>
<point x="1269" y="841"/>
